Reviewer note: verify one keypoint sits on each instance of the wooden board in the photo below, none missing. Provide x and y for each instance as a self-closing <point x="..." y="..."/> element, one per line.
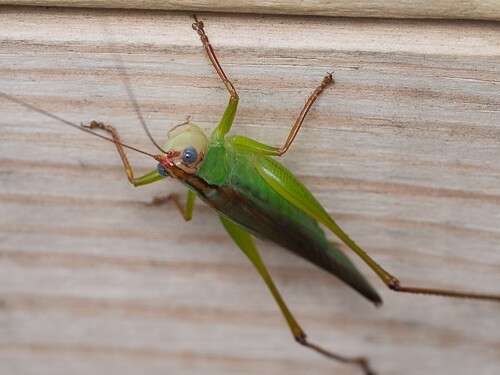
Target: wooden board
<point x="448" y="9"/>
<point x="404" y="151"/>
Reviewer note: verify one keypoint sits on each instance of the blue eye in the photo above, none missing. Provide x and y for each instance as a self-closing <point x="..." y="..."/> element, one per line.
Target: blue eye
<point x="189" y="155"/>
<point x="161" y="170"/>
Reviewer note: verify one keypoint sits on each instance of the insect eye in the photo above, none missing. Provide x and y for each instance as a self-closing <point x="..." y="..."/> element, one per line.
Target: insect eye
<point x="189" y="155"/>
<point x="161" y="170"/>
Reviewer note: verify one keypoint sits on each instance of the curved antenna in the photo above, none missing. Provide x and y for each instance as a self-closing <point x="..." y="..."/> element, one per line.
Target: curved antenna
<point x="69" y="123"/>
<point x="126" y="82"/>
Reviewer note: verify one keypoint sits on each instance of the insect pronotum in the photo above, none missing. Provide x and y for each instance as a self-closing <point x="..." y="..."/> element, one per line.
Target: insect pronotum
<point x="254" y="195"/>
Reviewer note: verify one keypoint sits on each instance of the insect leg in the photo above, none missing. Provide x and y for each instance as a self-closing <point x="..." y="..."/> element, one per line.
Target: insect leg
<point x="199" y="28"/>
<point x="393" y="283"/>
<point x="230" y="112"/>
<point x="390" y="280"/>
<point x="148" y="178"/>
<point x="327" y="80"/>
<point x="245" y="242"/>
<point x="291" y="189"/>
<point x="186" y="210"/>
<point x="248" y="144"/>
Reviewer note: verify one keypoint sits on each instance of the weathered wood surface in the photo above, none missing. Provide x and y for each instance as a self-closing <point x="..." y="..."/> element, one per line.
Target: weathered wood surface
<point x="449" y="9"/>
<point x="404" y="151"/>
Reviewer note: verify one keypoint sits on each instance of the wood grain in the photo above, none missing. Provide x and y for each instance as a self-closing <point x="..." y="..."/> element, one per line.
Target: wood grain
<point x="448" y="9"/>
<point x="403" y="151"/>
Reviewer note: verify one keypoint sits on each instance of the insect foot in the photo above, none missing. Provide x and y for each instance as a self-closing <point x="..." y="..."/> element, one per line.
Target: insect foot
<point x="328" y="79"/>
<point x="198" y="26"/>
<point x="361" y="362"/>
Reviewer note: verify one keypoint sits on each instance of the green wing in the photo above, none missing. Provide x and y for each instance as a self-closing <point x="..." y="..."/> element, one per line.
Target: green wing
<point x="283" y="182"/>
<point x="288" y="186"/>
<point x="238" y="188"/>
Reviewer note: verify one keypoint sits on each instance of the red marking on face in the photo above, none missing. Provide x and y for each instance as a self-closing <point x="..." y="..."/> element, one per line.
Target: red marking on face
<point x="165" y="160"/>
<point x="172" y="154"/>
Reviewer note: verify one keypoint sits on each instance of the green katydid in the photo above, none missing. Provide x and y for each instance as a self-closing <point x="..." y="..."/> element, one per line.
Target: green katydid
<point x="254" y="195"/>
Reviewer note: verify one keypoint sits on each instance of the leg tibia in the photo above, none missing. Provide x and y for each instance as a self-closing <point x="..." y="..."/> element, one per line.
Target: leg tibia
<point x="327" y="80"/>
<point x="199" y="27"/>
<point x="230" y="112"/>
<point x="245" y="242"/>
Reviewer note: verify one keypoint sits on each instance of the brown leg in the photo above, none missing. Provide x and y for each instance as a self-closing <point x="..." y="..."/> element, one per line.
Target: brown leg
<point x="185" y="210"/>
<point x="114" y="134"/>
<point x="362" y="362"/>
<point x="230" y="112"/>
<point x="139" y="181"/>
<point x="199" y="28"/>
<point x="328" y="80"/>
<point x="395" y="285"/>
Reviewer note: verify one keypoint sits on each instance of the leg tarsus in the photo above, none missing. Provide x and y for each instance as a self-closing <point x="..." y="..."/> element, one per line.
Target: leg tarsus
<point x="361" y="362"/>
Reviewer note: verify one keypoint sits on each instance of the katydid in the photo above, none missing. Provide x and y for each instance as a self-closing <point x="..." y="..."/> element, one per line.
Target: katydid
<point x="254" y="195"/>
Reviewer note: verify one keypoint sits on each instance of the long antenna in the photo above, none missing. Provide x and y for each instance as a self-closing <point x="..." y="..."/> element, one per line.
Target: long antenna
<point x="69" y="123"/>
<point x="120" y="67"/>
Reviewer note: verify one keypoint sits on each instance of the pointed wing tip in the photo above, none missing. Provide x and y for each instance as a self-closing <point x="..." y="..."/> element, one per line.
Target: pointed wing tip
<point x="373" y="296"/>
